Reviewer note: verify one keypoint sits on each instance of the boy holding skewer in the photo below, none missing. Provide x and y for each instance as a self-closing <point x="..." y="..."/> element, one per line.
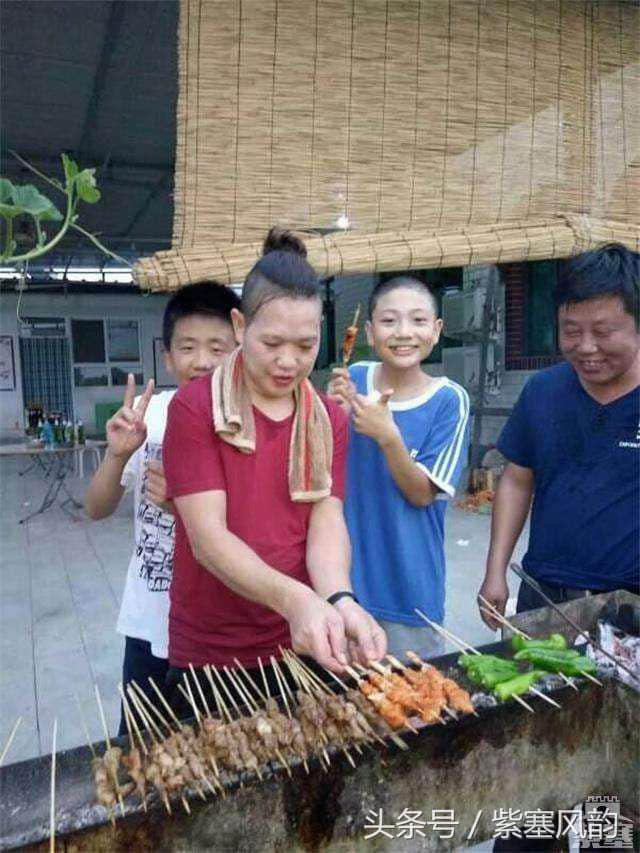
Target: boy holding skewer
<point x="254" y="460"/>
<point x="197" y="335"/>
<point x="407" y="448"/>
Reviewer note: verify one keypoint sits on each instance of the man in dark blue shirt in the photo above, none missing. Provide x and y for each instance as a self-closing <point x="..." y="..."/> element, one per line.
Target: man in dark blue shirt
<point x="573" y="445"/>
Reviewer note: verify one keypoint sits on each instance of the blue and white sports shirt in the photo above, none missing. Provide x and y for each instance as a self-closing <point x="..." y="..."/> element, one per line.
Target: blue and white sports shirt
<point x="398" y="549"/>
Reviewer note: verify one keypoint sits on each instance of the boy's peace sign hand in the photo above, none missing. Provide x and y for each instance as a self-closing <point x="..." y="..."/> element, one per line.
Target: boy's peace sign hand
<point x="373" y="417"/>
<point x="126" y="430"/>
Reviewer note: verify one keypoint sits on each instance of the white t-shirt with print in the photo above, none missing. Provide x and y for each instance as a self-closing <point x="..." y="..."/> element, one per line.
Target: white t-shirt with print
<point x="144" y="612"/>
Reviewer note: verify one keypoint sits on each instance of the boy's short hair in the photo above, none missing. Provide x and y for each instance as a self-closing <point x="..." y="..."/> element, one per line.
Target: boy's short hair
<point x="283" y="270"/>
<point x="204" y="299"/>
<point x="612" y="270"/>
<point x="384" y="287"/>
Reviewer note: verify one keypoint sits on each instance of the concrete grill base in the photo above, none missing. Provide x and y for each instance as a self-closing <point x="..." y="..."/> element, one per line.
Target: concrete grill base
<point x="506" y="758"/>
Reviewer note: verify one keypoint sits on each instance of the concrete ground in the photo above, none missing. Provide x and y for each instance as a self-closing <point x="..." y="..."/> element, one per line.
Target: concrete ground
<point x="61" y="579"/>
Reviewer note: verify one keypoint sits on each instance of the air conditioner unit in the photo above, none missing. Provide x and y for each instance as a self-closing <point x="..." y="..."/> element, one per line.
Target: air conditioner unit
<point x="462" y="312"/>
<point x="462" y="364"/>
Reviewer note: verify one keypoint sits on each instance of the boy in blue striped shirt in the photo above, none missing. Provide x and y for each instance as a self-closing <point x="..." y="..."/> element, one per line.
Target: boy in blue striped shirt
<point x="407" y="447"/>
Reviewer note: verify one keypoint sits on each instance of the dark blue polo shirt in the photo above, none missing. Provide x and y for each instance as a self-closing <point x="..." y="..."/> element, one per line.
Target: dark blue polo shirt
<point x="585" y="456"/>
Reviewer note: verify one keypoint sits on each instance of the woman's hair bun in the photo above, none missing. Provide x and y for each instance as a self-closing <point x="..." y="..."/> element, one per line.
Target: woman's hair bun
<point x="280" y="240"/>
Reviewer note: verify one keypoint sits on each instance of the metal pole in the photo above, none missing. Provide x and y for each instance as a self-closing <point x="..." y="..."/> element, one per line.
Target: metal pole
<point x="487" y="316"/>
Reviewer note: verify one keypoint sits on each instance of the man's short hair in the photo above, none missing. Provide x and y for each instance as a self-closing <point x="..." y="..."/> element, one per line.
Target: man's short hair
<point x="205" y="299"/>
<point x="612" y="270"/>
<point x="395" y="283"/>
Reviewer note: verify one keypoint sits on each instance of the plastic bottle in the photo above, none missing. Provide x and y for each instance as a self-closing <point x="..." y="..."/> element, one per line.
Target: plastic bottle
<point x="40" y="428"/>
<point x="80" y="432"/>
<point x="69" y="434"/>
<point x="47" y="434"/>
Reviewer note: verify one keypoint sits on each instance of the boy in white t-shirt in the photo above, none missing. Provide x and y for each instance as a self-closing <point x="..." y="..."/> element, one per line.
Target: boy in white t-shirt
<point x="197" y="335"/>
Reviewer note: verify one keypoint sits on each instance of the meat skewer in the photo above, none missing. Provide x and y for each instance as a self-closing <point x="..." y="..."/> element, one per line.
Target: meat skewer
<point x="368" y="716"/>
<point x="133" y="761"/>
<point x="151" y="771"/>
<point x="165" y="770"/>
<point x="391" y="711"/>
<point x="458" y="698"/>
<point x="262" y="727"/>
<point x="396" y="689"/>
<point x="111" y="757"/>
<point x="349" y="339"/>
<point x="465" y="647"/>
<point x="333" y="717"/>
<point x="422" y="681"/>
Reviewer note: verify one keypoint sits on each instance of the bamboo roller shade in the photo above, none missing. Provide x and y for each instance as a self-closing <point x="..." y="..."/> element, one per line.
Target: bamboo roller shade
<point x="442" y="130"/>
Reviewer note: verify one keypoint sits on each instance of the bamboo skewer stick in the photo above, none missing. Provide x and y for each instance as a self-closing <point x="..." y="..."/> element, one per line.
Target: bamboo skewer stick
<point x="250" y="680"/>
<point x="155" y="733"/>
<point x="217" y="695"/>
<point x="149" y="704"/>
<point x="108" y="742"/>
<point x="52" y="813"/>
<point x="189" y="699"/>
<point x="264" y="677"/>
<point x="132" y="719"/>
<point x="276" y="667"/>
<point x="223" y="684"/>
<point x="166" y="705"/>
<point x="249" y="701"/>
<point x="127" y="718"/>
<point x="200" y="691"/>
<point x="493" y="611"/>
<point x="282" y="693"/>
<point x="83" y="722"/>
<point x="465" y="647"/>
<point x="15" y="728"/>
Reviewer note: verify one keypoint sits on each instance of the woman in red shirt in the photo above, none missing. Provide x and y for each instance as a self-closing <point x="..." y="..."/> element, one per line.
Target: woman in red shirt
<point x="257" y="564"/>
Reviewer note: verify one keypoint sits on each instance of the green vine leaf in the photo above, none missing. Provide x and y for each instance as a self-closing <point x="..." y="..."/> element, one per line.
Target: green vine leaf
<point x="6" y="190"/>
<point x="35" y="203"/>
<point x="86" y="186"/>
<point x="7" y="209"/>
<point x="70" y="169"/>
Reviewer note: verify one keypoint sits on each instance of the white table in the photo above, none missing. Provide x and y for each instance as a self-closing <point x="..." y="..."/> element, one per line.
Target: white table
<point x="54" y="467"/>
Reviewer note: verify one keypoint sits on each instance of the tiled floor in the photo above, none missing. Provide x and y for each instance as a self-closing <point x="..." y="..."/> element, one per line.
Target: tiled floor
<point x="60" y="585"/>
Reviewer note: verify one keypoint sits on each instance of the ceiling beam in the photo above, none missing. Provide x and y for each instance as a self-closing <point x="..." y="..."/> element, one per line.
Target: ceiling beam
<point x="111" y="35"/>
<point x="155" y="192"/>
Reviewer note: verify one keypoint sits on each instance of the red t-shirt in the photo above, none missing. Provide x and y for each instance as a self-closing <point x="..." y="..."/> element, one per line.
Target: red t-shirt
<point x="208" y="623"/>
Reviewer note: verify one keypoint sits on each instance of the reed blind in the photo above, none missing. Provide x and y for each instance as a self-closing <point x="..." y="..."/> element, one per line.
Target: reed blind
<point x="429" y="128"/>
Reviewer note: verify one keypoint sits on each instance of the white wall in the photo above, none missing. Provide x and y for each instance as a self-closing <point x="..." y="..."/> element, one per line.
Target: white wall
<point x="148" y="309"/>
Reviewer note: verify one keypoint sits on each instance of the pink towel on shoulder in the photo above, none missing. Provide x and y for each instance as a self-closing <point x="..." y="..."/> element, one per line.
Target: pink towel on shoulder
<point x="311" y="447"/>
